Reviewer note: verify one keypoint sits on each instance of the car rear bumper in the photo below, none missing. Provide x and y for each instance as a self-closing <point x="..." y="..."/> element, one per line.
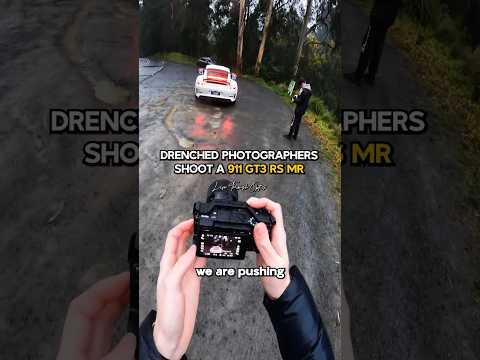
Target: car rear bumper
<point x="224" y="94"/>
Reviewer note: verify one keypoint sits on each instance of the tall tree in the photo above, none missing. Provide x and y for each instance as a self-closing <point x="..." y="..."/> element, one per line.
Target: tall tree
<point x="266" y="26"/>
<point x="241" y="29"/>
<point x="302" y="36"/>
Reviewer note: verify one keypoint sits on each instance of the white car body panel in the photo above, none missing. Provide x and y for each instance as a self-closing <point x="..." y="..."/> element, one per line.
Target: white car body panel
<point x="222" y="87"/>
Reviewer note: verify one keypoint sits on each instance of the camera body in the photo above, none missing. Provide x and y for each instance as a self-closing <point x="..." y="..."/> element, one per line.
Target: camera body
<point x="223" y="226"/>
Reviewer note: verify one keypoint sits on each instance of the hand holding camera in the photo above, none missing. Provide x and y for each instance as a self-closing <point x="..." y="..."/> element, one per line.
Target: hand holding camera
<point x="178" y="290"/>
<point x="223" y="226"/>
<point x="227" y="228"/>
<point x="272" y="247"/>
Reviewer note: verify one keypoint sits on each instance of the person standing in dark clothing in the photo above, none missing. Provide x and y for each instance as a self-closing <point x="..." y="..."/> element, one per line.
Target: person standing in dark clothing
<point x="302" y="100"/>
<point x="382" y="17"/>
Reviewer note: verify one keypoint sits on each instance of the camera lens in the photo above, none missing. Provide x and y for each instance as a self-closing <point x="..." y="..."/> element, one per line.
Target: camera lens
<point x="222" y="190"/>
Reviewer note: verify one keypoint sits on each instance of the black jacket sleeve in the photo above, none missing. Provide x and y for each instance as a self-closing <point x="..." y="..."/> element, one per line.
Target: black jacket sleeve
<point x="146" y="344"/>
<point x="297" y="322"/>
<point x="302" y="101"/>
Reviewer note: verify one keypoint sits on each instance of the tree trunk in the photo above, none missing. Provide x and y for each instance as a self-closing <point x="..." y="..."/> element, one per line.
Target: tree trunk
<point x="258" y="64"/>
<point x="301" y="39"/>
<point x="241" y="28"/>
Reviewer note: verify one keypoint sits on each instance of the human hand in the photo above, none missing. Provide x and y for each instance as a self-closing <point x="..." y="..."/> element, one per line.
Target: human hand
<point x="178" y="290"/>
<point x="273" y="254"/>
<point x="89" y="325"/>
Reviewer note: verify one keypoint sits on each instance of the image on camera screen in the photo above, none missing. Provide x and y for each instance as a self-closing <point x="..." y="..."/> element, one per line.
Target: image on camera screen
<point x="220" y="245"/>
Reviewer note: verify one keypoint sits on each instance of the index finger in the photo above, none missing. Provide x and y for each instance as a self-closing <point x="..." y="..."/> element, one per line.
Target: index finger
<point x="272" y="207"/>
<point x="279" y="240"/>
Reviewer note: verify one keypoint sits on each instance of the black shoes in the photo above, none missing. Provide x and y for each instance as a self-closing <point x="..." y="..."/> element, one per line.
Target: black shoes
<point x="288" y="137"/>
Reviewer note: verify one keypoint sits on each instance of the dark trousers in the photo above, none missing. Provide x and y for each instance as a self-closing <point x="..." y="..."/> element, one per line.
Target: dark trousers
<point x="295" y="126"/>
<point x="372" y="48"/>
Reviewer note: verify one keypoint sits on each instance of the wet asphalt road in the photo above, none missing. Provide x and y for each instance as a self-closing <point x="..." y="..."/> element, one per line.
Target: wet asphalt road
<point x="232" y="323"/>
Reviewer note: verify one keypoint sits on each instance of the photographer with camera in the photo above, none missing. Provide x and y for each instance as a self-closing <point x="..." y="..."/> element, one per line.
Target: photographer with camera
<point x="166" y="333"/>
<point x="301" y="100"/>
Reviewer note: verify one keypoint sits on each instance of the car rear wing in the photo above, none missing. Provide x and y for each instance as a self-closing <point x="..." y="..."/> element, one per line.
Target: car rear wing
<point x="217" y="76"/>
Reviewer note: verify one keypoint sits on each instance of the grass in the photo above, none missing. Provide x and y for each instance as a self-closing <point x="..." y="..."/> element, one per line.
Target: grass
<point x="321" y="121"/>
<point x="450" y="89"/>
<point x="175" y="57"/>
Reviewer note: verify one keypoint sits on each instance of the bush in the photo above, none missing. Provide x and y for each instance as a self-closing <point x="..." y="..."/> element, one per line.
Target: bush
<point x="317" y="106"/>
<point x="447" y="31"/>
<point x="425" y="12"/>
<point x="473" y="65"/>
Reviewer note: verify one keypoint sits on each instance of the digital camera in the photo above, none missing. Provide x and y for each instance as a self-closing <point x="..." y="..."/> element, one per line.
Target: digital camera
<point x="223" y="226"/>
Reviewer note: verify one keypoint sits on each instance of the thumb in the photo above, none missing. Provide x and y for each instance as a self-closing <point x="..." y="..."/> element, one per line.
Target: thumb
<point x="200" y="262"/>
<point x="125" y="349"/>
<point x="264" y="246"/>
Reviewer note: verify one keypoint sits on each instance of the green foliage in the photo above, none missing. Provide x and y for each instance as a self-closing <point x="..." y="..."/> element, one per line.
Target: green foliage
<point x="473" y="64"/>
<point x="174" y="57"/>
<point x="423" y="12"/>
<point x="175" y="25"/>
<point x="446" y="31"/>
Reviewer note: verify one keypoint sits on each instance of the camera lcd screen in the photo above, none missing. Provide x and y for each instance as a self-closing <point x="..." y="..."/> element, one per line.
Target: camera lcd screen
<point x="220" y="245"/>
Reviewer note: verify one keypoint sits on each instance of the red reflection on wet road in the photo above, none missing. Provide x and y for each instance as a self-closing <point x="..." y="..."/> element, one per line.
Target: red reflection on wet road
<point x="227" y="126"/>
<point x="204" y="129"/>
<point x="198" y="130"/>
<point x="200" y="119"/>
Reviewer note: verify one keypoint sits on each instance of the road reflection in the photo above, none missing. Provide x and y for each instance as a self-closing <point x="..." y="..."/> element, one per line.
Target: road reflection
<point x="207" y="128"/>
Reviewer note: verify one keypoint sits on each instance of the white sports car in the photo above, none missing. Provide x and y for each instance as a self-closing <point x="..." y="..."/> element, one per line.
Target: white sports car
<point x="218" y="82"/>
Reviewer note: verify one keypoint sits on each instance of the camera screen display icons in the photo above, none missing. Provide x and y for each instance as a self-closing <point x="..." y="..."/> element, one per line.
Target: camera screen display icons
<point x="220" y="245"/>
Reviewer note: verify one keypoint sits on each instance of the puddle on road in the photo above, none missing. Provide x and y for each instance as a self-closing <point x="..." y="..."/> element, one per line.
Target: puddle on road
<point x="110" y="93"/>
<point x="193" y="128"/>
<point x="104" y="88"/>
